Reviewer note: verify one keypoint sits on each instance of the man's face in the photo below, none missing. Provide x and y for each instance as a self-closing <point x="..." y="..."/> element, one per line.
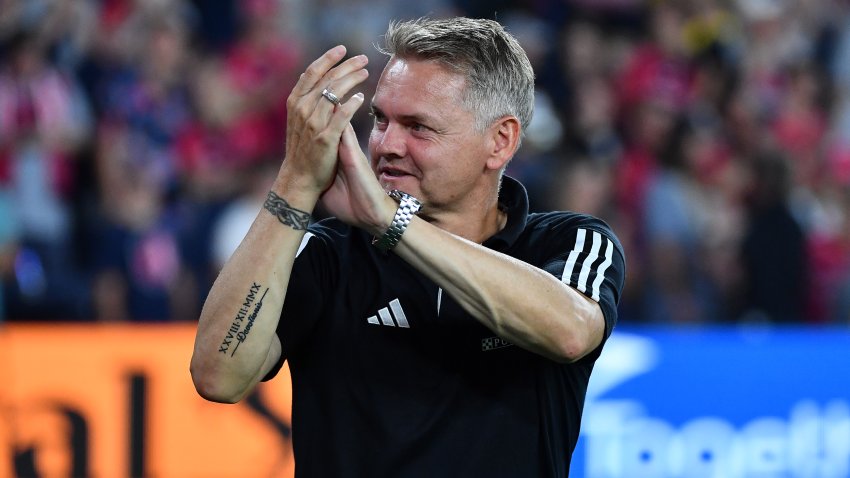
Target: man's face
<point x="423" y="140"/>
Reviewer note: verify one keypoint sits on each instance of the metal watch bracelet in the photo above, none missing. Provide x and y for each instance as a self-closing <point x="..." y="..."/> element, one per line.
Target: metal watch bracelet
<point x="408" y="206"/>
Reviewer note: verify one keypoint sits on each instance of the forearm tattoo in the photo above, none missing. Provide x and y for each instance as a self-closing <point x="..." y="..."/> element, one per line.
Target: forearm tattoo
<point x="286" y="214"/>
<point x="236" y="330"/>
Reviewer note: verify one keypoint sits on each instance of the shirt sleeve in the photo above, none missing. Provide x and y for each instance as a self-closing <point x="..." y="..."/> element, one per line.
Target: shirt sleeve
<point x="309" y="284"/>
<point x="588" y="257"/>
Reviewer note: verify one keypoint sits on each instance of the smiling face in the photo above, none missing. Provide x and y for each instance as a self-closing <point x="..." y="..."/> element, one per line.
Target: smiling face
<point x="424" y="140"/>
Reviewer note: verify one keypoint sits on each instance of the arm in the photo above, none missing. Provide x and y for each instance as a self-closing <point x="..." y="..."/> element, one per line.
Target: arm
<point x="519" y="302"/>
<point x="249" y="290"/>
<point x="236" y="342"/>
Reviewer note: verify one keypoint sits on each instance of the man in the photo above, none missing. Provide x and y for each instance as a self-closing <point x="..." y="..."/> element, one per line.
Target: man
<point x="452" y="340"/>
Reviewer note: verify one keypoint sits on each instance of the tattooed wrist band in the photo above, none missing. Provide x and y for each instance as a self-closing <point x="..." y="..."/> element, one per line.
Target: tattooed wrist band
<point x="286" y="214"/>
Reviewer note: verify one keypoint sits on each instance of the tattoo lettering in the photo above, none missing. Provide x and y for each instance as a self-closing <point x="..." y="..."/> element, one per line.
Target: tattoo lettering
<point x="286" y="214"/>
<point x="236" y="325"/>
<point x="241" y="336"/>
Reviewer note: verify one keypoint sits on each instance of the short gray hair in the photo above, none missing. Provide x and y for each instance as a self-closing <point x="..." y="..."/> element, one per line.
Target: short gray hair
<point x="499" y="77"/>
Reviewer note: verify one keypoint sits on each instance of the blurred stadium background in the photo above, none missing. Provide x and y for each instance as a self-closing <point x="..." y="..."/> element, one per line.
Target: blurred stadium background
<point x="138" y="139"/>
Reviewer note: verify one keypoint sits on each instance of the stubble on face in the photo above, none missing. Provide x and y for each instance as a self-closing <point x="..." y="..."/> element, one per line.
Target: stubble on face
<point x="422" y="128"/>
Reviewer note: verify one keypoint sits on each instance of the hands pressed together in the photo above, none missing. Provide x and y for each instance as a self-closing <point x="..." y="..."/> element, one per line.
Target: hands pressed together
<point x="324" y="161"/>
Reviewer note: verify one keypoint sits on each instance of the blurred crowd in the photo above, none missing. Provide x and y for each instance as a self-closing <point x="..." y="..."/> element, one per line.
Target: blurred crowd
<point x="138" y="139"/>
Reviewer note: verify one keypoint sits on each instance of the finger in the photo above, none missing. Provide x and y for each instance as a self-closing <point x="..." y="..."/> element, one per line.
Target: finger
<point x="340" y="81"/>
<point x="347" y="76"/>
<point x="350" y="153"/>
<point x="349" y="137"/>
<point x="355" y="65"/>
<point x="342" y="116"/>
<point x="348" y="145"/>
<point x="355" y="167"/>
<point x="317" y="70"/>
<point x="350" y="142"/>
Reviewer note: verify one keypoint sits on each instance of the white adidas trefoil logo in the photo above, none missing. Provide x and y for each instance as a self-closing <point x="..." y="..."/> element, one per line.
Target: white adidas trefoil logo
<point x="392" y="316"/>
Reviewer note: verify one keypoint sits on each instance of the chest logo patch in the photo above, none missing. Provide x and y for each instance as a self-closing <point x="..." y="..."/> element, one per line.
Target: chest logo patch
<point x="391" y="316"/>
<point x="493" y="343"/>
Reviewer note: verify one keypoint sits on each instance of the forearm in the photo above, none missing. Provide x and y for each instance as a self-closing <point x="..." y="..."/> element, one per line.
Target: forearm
<point x="235" y="343"/>
<point x="519" y="302"/>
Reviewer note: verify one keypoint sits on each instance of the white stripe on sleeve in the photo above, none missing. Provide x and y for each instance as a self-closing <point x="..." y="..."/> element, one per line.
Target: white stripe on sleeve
<point x="600" y="273"/>
<point x="588" y="262"/>
<point x="571" y="259"/>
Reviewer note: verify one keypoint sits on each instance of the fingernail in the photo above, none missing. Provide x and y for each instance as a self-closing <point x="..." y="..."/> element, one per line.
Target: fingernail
<point x="338" y="49"/>
<point x="359" y="96"/>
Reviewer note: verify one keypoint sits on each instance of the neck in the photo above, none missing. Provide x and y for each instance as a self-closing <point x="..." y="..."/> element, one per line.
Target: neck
<point x="476" y="223"/>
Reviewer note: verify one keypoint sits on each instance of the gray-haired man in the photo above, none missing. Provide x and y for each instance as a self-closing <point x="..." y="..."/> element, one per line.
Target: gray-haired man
<point x="433" y="327"/>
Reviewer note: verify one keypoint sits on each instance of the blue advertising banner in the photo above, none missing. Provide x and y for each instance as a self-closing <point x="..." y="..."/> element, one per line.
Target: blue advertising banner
<point x="718" y="403"/>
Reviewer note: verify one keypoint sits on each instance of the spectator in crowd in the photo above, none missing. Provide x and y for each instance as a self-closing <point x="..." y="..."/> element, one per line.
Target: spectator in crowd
<point x="773" y="251"/>
<point x="139" y="266"/>
<point x="139" y="269"/>
<point x="44" y="120"/>
<point x="8" y="247"/>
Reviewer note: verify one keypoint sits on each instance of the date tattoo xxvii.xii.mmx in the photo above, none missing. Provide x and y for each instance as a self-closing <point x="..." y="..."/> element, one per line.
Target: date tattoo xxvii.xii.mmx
<point x="243" y="322"/>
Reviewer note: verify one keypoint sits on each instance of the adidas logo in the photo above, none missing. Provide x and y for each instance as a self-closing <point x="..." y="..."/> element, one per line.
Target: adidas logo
<point x="392" y="316"/>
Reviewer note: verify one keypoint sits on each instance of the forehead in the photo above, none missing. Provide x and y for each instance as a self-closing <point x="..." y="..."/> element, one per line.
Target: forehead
<point x="409" y="84"/>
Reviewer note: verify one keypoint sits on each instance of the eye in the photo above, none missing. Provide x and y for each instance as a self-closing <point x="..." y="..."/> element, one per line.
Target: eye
<point x="377" y="116"/>
<point x="419" y="127"/>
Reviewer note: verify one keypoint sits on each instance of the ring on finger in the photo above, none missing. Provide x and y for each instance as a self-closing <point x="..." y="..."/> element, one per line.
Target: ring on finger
<point x="330" y="96"/>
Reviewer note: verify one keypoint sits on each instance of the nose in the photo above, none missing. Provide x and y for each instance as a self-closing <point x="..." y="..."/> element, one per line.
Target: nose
<point x="389" y="142"/>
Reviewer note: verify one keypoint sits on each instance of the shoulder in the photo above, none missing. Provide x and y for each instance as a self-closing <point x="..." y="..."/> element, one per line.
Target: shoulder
<point x="569" y="226"/>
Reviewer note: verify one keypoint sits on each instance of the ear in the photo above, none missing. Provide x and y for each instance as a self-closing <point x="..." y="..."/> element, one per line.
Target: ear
<point x="504" y="139"/>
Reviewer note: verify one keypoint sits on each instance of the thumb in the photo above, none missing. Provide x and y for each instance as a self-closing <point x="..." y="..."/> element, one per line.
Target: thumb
<point x="349" y="137"/>
<point x="355" y="167"/>
<point x="349" y="149"/>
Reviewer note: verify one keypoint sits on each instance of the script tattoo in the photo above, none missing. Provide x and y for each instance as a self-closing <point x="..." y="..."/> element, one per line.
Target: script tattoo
<point x="286" y="214"/>
<point x="236" y="331"/>
<point x="241" y="336"/>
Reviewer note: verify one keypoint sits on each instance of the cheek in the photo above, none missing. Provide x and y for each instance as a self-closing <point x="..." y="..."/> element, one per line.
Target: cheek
<point x="374" y="137"/>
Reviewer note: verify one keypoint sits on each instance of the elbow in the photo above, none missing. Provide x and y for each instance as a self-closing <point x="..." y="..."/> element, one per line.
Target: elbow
<point x="210" y="388"/>
<point x="581" y="335"/>
<point x="574" y="344"/>
<point x="211" y="393"/>
<point x="571" y="348"/>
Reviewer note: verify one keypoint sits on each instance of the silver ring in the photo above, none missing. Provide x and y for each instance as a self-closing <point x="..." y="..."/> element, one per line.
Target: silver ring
<point x="328" y="94"/>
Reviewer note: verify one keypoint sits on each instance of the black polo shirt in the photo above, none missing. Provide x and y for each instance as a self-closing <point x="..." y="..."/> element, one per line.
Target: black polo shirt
<point x="392" y="378"/>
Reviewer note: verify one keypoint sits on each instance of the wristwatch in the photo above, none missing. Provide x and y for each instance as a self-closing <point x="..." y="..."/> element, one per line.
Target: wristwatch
<point x="408" y="206"/>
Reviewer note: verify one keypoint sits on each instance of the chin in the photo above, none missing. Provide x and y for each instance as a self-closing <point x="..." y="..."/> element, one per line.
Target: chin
<point x="407" y="184"/>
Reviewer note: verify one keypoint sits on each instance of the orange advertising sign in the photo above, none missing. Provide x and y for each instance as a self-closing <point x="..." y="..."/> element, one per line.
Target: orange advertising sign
<point x="108" y="400"/>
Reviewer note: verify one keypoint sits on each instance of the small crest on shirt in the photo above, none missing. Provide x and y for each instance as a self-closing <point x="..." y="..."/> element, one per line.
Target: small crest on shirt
<point x="494" y="343"/>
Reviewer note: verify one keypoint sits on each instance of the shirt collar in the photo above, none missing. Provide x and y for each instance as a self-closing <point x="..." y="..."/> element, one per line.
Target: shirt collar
<point x="513" y="200"/>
